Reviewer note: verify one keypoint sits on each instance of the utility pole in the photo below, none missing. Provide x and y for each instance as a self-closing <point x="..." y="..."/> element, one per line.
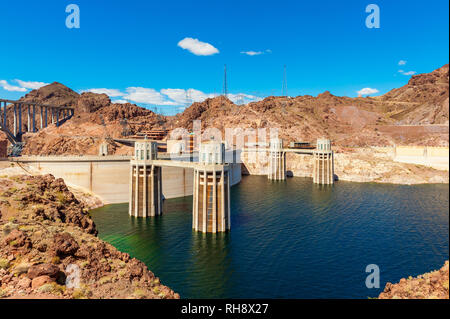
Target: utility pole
<point x="284" y="89"/>
<point x="225" y="86"/>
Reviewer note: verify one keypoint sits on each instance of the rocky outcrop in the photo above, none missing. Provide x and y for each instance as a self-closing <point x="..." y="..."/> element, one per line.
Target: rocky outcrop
<point x="48" y="248"/>
<point x="349" y="122"/>
<point x="432" y="285"/>
<point x="47" y="198"/>
<point x="55" y="94"/>
<point x="90" y="102"/>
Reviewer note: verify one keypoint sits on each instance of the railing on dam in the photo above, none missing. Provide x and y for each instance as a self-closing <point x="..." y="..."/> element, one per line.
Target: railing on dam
<point x="70" y="158"/>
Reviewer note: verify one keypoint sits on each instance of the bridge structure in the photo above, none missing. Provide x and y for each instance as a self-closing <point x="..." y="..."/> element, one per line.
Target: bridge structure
<point x="46" y="113"/>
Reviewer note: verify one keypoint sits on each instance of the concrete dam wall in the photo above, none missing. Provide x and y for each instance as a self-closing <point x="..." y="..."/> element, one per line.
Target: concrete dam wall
<point x="109" y="176"/>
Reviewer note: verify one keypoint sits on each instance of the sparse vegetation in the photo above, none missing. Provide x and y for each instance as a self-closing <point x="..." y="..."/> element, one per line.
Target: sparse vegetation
<point x="52" y="288"/>
<point x="4" y="263"/>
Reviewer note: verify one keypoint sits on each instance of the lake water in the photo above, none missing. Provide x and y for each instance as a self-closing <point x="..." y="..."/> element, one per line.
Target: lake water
<point x="290" y="239"/>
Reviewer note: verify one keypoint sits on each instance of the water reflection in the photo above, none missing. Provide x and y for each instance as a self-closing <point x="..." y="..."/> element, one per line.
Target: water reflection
<point x="289" y="239"/>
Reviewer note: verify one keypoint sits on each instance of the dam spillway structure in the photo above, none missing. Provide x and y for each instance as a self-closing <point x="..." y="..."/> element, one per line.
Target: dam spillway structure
<point x="211" y="202"/>
<point x="323" y="172"/>
<point x="145" y="181"/>
<point x="277" y="160"/>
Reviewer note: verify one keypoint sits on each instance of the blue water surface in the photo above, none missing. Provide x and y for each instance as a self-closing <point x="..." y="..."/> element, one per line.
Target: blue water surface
<point x="291" y="239"/>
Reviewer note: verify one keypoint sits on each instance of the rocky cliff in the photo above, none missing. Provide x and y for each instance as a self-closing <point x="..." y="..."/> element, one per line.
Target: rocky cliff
<point x="422" y="104"/>
<point x="432" y="285"/>
<point x="361" y="121"/>
<point x="49" y="248"/>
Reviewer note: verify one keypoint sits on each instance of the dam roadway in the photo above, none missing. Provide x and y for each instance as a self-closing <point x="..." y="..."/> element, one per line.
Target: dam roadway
<point x="108" y="176"/>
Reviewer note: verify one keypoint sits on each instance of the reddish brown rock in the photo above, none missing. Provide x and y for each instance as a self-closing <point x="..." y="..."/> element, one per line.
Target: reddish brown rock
<point x="24" y="283"/>
<point x="40" y="281"/>
<point x="16" y="238"/>
<point x="43" y="270"/>
<point x="65" y="245"/>
<point x="91" y="102"/>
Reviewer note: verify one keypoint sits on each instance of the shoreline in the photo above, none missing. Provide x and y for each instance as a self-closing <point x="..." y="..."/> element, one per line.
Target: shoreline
<point x="47" y="234"/>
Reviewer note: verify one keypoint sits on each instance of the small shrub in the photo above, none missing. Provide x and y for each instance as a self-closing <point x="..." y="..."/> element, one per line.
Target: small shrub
<point x="105" y="280"/>
<point x="55" y="260"/>
<point x="4" y="263"/>
<point x="445" y="284"/>
<point x="3" y="293"/>
<point x="139" y="294"/>
<point x="13" y="243"/>
<point x="27" y="228"/>
<point x="52" y="288"/>
<point x="78" y="294"/>
<point x="61" y="198"/>
<point x="21" y="268"/>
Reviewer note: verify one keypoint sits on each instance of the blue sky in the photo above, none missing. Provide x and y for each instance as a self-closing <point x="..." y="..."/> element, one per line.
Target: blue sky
<point x="132" y="48"/>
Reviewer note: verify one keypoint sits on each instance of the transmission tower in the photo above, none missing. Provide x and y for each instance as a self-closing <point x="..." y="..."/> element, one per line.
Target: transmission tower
<point x="225" y="86"/>
<point x="240" y="99"/>
<point x="188" y="98"/>
<point x="284" y="90"/>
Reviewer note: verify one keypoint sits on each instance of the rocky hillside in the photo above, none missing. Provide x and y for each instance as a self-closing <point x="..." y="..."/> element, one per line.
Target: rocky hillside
<point x="432" y="285"/>
<point x="48" y="248"/>
<point x="347" y="121"/>
<point x="354" y="122"/>
<point x="425" y="99"/>
<point x="96" y="120"/>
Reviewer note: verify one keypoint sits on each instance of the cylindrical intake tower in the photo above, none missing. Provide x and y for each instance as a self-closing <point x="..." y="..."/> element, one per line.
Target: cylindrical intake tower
<point x="277" y="160"/>
<point x="145" y="181"/>
<point x="323" y="162"/>
<point x="211" y="204"/>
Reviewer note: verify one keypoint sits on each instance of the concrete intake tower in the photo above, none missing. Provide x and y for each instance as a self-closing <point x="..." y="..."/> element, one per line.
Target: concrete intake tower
<point x="145" y="181"/>
<point x="323" y="162"/>
<point x="211" y="203"/>
<point x="277" y="160"/>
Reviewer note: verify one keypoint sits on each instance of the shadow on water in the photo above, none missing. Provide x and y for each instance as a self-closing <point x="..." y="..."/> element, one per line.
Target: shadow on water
<point x="290" y="239"/>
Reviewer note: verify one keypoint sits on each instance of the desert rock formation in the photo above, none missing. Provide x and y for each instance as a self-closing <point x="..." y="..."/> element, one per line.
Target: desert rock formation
<point x="46" y="234"/>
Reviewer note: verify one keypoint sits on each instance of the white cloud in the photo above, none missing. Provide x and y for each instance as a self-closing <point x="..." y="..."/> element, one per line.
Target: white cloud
<point x="8" y="87"/>
<point x="253" y="53"/>
<point x="407" y="73"/>
<point x="197" y="47"/>
<point x="177" y="95"/>
<point x="109" y="92"/>
<point x="147" y="96"/>
<point x="31" y="84"/>
<point x="242" y="98"/>
<point x="367" y="91"/>
<point x="401" y="62"/>
<point x="167" y="97"/>
<point x="181" y="96"/>
<point x="120" y="101"/>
